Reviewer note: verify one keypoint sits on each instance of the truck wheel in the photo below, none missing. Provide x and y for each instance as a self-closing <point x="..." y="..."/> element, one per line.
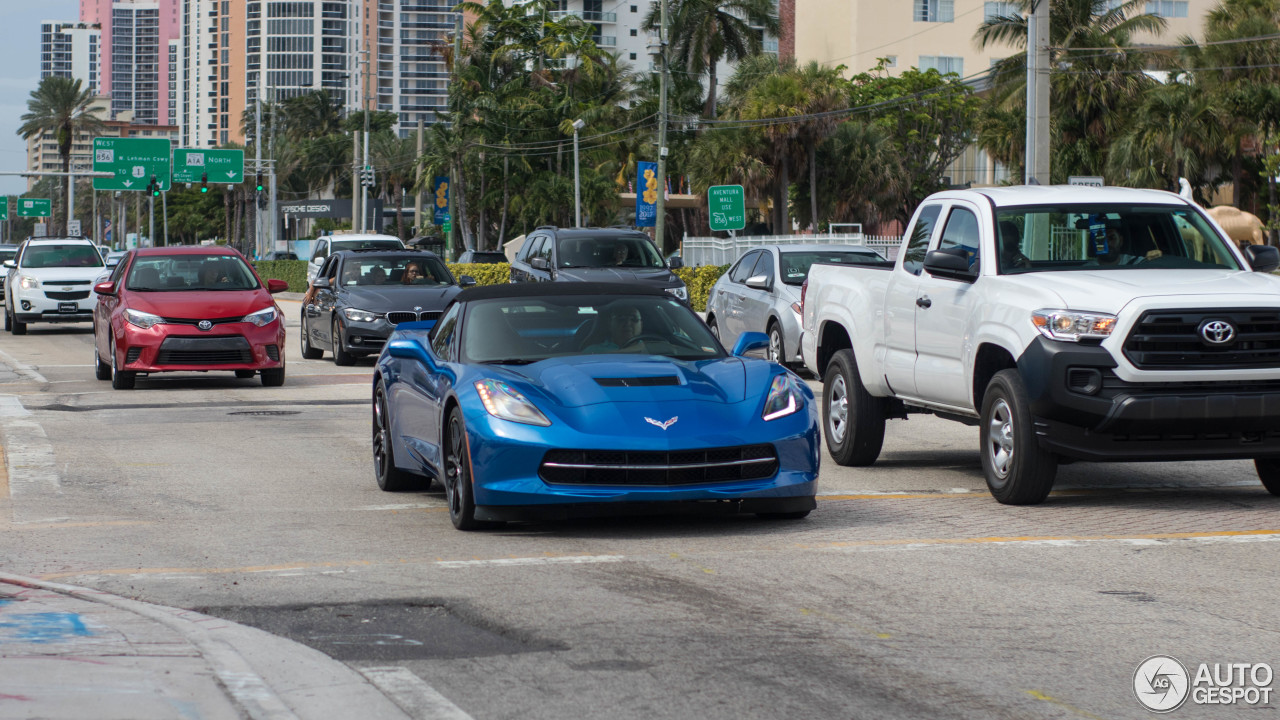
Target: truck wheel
<point x="853" y="420"/>
<point x="1269" y="473"/>
<point x="1018" y="470"/>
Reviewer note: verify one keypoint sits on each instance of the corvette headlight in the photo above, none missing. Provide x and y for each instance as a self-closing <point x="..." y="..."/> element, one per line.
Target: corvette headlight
<point x="262" y="317"/>
<point x="142" y="319"/>
<point x="504" y="401"/>
<point x="364" y="316"/>
<point x="27" y="282"/>
<point x="784" y="398"/>
<point x="1073" y="326"/>
<point x="679" y="291"/>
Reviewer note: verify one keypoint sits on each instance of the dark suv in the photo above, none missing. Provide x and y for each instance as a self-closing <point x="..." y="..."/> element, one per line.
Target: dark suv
<point x="595" y="255"/>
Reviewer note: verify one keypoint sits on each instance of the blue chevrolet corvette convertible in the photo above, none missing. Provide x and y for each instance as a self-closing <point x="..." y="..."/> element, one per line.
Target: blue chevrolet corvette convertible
<point x="548" y="401"/>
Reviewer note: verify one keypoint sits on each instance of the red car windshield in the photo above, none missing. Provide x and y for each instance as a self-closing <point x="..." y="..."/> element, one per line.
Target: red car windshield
<point x="176" y="273"/>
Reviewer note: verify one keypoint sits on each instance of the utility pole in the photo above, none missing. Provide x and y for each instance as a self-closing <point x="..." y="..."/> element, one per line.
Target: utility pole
<point x="455" y="227"/>
<point x="1037" y="153"/>
<point x="71" y="196"/>
<point x="164" y="205"/>
<point x="364" y="103"/>
<point x="257" y="162"/>
<point x="417" y="179"/>
<point x="660" y="219"/>
<point x="356" y="180"/>
<point x="274" y="233"/>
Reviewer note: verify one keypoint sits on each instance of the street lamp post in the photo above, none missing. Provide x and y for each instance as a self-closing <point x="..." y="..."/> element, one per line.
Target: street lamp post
<point x="577" y="190"/>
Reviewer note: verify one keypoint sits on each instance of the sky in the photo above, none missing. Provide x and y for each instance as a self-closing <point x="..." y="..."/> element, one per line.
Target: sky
<point x="20" y="74"/>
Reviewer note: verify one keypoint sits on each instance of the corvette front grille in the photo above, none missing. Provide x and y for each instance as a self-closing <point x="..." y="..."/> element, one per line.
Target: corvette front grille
<point x="676" y="467"/>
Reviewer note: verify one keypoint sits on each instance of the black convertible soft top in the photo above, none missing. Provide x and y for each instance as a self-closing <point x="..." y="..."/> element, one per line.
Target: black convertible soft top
<point x="547" y="289"/>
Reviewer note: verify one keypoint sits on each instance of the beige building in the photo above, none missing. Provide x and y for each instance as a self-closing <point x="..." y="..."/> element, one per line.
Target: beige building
<point x="935" y="34"/>
<point x="42" y="149"/>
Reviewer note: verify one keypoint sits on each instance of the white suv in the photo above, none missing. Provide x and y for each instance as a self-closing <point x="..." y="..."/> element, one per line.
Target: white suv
<point x="51" y="280"/>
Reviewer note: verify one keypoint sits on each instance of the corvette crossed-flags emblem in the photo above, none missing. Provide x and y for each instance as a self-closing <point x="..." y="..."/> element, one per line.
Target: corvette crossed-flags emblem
<point x="663" y="425"/>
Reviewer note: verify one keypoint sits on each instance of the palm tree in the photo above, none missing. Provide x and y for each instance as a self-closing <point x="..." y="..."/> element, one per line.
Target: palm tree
<point x="1174" y="134"/>
<point x="1091" y="88"/>
<point x="827" y="91"/>
<point x="60" y="107"/>
<point x="704" y="32"/>
<point x="395" y="159"/>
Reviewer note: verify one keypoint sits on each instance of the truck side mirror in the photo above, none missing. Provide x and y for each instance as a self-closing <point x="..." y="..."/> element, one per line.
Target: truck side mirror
<point x="1263" y="258"/>
<point x="952" y="263"/>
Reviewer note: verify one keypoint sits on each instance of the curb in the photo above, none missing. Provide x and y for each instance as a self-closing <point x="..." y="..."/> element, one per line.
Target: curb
<point x="317" y="685"/>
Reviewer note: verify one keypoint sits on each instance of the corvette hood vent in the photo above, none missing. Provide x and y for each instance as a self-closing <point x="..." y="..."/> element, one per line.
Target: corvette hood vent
<point x="650" y="381"/>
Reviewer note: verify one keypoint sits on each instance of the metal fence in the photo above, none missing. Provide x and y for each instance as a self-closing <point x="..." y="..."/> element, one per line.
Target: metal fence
<point x="696" y="251"/>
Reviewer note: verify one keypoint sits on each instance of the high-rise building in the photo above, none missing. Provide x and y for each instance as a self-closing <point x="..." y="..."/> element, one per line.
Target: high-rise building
<point x="210" y="96"/>
<point x="71" y="50"/>
<point x="410" y="76"/>
<point x="936" y="33"/>
<point x="135" y="54"/>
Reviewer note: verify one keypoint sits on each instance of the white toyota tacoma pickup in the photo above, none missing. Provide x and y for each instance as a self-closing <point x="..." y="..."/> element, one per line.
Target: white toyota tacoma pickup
<point x="1065" y="323"/>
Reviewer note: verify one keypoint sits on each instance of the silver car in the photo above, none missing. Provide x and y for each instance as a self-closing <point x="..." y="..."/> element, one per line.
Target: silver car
<point x="761" y="293"/>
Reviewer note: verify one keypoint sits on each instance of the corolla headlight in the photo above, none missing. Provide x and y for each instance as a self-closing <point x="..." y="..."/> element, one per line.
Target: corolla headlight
<point x="784" y="398"/>
<point x="679" y="291"/>
<point x="1073" y="326"/>
<point x="504" y="401"/>
<point x="27" y="282"/>
<point x="142" y="319"/>
<point x="357" y="315"/>
<point x="262" y="317"/>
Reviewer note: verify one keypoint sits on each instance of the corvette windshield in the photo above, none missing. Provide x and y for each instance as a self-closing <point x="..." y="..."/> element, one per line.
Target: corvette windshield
<point x="525" y="330"/>
<point x="176" y="273"/>
<point x="1108" y="237"/>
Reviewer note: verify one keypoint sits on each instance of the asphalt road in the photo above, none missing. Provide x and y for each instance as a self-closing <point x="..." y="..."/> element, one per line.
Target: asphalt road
<point x="908" y="593"/>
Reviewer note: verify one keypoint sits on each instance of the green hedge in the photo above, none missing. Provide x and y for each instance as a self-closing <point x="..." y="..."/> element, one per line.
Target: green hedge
<point x="699" y="280"/>
<point x="484" y="273"/>
<point x="293" y="272"/>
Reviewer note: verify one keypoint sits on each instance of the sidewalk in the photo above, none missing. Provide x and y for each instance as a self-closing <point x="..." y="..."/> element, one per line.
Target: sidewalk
<point x="68" y="652"/>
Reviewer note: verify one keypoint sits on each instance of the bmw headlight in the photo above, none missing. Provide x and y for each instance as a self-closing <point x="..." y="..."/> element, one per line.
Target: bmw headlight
<point x="27" y="282"/>
<point x="262" y="317"/>
<point x="679" y="291"/>
<point x="504" y="401"/>
<point x="142" y="319"/>
<point x="363" y="316"/>
<point x="783" y="400"/>
<point x="1073" y="326"/>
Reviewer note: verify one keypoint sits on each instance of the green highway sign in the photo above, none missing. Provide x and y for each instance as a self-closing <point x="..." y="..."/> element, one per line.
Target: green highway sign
<point x="34" y="207"/>
<point x="727" y="206"/>
<point x="133" y="161"/>
<point x="220" y="166"/>
<point x="4" y="208"/>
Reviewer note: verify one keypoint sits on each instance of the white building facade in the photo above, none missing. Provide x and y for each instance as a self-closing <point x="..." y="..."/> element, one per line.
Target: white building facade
<point x="71" y="50"/>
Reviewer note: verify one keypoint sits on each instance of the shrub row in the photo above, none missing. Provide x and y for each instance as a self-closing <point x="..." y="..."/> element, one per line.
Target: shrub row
<point x="698" y="279"/>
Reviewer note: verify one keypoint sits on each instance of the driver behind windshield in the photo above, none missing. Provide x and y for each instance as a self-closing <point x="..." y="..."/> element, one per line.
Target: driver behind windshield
<point x="624" y="324"/>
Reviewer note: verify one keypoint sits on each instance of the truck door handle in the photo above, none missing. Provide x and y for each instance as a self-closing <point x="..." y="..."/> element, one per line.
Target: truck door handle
<point x="924" y="301"/>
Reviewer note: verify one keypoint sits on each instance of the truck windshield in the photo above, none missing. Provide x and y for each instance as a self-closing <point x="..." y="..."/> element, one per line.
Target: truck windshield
<point x="1107" y="237"/>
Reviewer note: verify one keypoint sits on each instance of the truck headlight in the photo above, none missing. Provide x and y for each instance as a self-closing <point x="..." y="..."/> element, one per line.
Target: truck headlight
<point x="1073" y="326"/>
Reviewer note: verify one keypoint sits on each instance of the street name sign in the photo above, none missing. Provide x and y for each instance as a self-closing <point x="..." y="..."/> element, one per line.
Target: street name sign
<point x="34" y="207"/>
<point x="133" y="161"/>
<point x="221" y="166"/>
<point x="727" y="207"/>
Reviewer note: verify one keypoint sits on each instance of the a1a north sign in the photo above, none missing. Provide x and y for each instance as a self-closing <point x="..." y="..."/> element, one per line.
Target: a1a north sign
<point x="219" y="166"/>
<point x="34" y="207"/>
<point x="132" y="161"/>
<point x="727" y="206"/>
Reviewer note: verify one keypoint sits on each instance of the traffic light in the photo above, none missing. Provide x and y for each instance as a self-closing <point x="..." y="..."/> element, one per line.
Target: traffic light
<point x="154" y="187"/>
<point x="259" y="183"/>
<point x="367" y="177"/>
<point x="204" y="182"/>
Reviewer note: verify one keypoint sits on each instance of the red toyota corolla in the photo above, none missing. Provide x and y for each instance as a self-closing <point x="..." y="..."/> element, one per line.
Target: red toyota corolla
<point x="185" y="309"/>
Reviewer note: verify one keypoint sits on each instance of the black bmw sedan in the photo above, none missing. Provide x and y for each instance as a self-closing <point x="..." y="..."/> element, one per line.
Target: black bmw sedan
<point x="359" y="296"/>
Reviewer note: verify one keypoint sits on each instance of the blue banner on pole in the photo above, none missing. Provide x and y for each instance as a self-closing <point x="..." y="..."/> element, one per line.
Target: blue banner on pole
<point x="647" y="189"/>
<point x="440" y="206"/>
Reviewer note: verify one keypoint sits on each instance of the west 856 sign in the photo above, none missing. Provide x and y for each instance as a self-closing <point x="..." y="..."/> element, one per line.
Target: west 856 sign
<point x="1163" y="684"/>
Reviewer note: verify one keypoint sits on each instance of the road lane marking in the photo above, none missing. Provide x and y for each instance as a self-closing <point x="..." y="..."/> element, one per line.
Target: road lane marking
<point x="571" y="560"/>
<point x="22" y="368"/>
<point x="51" y="524"/>
<point x="1065" y="706"/>
<point x="1055" y="541"/>
<point x="412" y="694"/>
<point x="28" y="457"/>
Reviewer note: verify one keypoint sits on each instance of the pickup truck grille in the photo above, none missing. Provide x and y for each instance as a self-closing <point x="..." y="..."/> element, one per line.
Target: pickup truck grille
<point x="1172" y="340"/>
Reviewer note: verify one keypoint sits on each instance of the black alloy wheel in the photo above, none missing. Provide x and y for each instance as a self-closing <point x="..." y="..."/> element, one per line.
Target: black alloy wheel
<point x="389" y="477"/>
<point x="458" y="491"/>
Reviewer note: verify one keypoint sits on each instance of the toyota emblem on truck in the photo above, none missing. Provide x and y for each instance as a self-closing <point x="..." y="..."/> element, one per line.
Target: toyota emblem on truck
<point x="1217" y="332"/>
